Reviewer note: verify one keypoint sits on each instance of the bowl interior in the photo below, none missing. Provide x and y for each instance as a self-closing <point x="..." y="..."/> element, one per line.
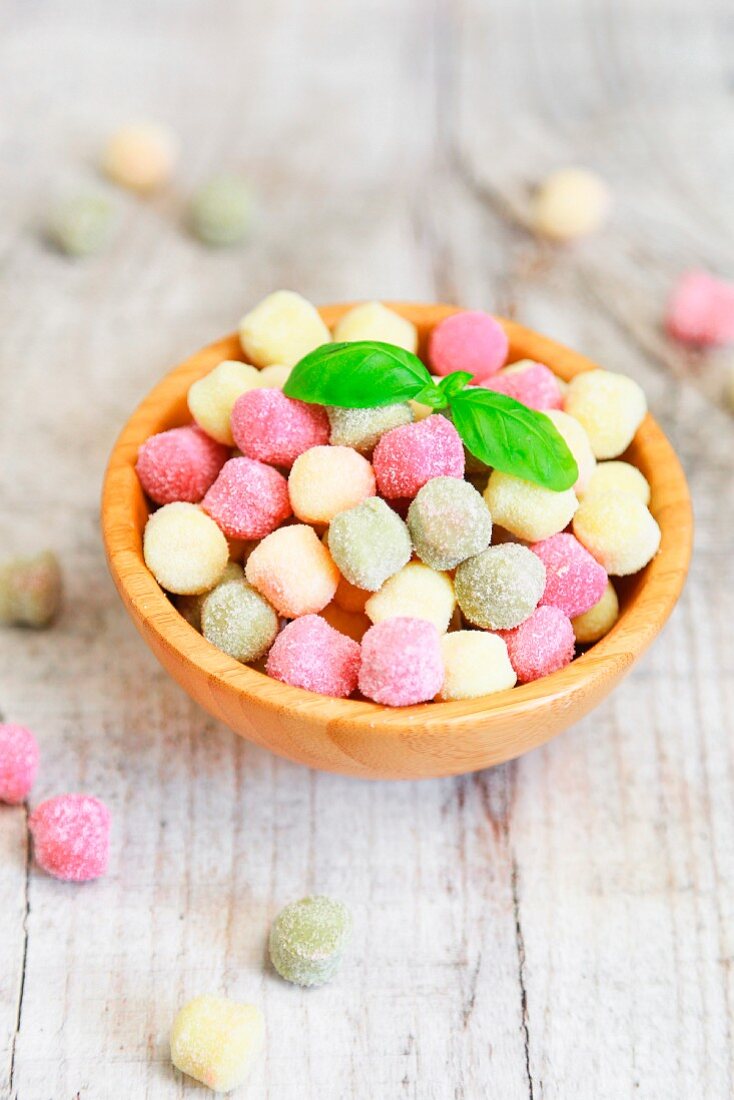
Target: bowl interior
<point x="646" y="599"/>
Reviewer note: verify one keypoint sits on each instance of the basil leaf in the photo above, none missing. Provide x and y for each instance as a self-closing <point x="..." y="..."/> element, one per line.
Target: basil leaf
<point x="433" y="396"/>
<point x="453" y="383"/>
<point x="513" y="438"/>
<point x="360" y="374"/>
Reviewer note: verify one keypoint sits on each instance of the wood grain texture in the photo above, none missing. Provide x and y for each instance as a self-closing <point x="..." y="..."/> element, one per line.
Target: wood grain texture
<point x="559" y="926"/>
<point x="357" y="737"/>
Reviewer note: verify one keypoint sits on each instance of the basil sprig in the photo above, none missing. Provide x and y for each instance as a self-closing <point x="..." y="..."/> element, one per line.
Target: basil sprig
<point x="496" y="429"/>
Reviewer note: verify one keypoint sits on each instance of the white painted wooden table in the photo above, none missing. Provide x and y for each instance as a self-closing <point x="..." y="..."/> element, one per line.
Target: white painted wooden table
<point x="560" y="927"/>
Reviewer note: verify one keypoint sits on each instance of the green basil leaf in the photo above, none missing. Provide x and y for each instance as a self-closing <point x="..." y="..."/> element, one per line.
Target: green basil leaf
<point x="361" y="374"/>
<point x="513" y="438"/>
<point x="453" y="383"/>
<point x="433" y="396"/>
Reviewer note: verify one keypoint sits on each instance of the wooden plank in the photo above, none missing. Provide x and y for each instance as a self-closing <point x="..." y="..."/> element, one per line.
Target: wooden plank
<point x="622" y="829"/>
<point x="212" y="836"/>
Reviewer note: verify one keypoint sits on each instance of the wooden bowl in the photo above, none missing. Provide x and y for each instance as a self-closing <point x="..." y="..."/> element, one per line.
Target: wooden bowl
<point x="360" y="738"/>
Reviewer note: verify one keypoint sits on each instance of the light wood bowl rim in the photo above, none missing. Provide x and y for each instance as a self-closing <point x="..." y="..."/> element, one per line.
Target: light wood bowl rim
<point x="638" y="624"/>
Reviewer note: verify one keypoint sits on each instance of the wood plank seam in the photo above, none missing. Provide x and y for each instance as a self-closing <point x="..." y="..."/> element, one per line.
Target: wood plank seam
<point x="24" y="952"/>
<point x="520" y="944"/>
